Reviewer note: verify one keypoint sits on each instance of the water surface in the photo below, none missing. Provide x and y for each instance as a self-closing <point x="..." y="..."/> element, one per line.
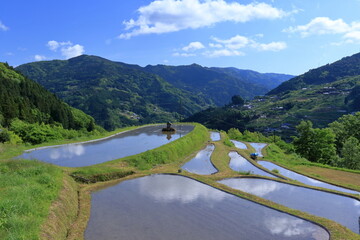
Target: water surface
<point x="239" y="144"/>
<point x="122" y="145"/>
<point x="166" y="207"/>
<point x="341" y="209"/>
<point x="215" y="136"/>
<point x="303" y="179"/>
<point x="201" y="163"/>
<point x="258" y="148"/>
<point x="240" y="164"/>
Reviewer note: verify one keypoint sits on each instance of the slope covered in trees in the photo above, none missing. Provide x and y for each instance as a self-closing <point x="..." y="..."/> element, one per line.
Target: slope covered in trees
<point x="115" y="94"/>
<point x="26" y="100"/>
<point x="320" y="101"/>
<point x="218" y="84"/>
<point x="344" y="68"/>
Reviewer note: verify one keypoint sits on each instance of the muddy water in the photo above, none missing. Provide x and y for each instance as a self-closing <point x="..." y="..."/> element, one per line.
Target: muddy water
<point x="215" y="136"/>
<point x="241" y="164"/>
<point x="173" y="207"/>
<point x="258" y="148"/>
<point x="238" y="144"/>
<point x="303" y="179"/>
<point x="201" y="163"/>
<point x="341" y="209"/>
<point x="121" y="145"/>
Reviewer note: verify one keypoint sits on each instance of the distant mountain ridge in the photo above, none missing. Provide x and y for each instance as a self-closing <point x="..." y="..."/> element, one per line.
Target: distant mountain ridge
<point x="320" y="95"/>
<point x="115" y="94"/>
<point x="346" y="67"/>
<point x="118" y="94"/>
<point x="219" y="84"/>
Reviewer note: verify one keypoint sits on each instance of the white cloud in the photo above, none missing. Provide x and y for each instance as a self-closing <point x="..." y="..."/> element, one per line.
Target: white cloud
<point x="230" y="47"/>
<point x="72" y="51"/>
<point x="223" y="53"/>
<point x="39" y="57"/>
<point x="273" y="46"/>
<point x="215" y="45"/>
<point x="3" y="27"/>
<point x="54" y="45"/>
<point x="320" y="26"/>
<point x="234" y="42"/>
<point x="67" y="49"/>
<point x="163" y="16"/>
<point x="193" y="46"/>
<point x="352" y="37"/>
<point x="177" y="54"/>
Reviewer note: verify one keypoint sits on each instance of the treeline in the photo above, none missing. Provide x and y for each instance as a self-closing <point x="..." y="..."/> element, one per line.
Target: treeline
<point x="338" y="145"/>
<point x="31" y="114"/>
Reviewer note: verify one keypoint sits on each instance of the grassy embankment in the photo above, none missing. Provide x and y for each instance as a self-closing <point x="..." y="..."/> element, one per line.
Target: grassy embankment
<point x="30" y="190"/>
<point x="166" y="159"/>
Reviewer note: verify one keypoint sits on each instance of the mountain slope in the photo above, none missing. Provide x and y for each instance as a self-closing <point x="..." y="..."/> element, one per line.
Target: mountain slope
<point x="267" y="80"/>
<point x="346" y="67"/>
<point x="25" y="99"/>
<point x="212" y="83"/>
<point x="315" y="96"/>
<point x="115" y="94"/>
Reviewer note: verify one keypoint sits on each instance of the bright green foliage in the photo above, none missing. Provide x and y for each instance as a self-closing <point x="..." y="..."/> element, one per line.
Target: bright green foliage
<point x="345" y="127"/>
<point x="26" y="100"/>
<point x="171" y="152"/>
<point x="316" y="145"/>
<point x="36" y="133"/>
<point x="27" y="188"/>
<point x="226" y="139"/>
<point x="350" y="153"/>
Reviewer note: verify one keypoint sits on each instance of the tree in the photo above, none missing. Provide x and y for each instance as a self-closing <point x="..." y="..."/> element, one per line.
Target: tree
<point x="317" y="145"/>
<point x="351" y="153"/>
<point x="237" y="100"/>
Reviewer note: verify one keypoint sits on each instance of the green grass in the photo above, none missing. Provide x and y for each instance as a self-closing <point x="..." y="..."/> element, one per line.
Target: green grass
<point x="27" y="189"/>
<point x="95" y="174"/>
<point x="170" y="152"/>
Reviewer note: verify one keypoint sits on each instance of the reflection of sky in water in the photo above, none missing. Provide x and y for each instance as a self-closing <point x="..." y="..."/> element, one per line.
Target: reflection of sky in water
<point x="172" y="207"/>
<point x="238" y="144"/>
<point x="175" y="190"/>
<point x="258" y="147"/>
<point x="239" y="163"/>
<point x="303" y="179"/>
<point x="201" y="163"/>
<point x="341" y="209"/>
<point x="286" y="226"/>
<point x="215" y="136"/>
<point x="250" y="187"/>
<point x="67" y="152"/>
<point x="119" y="146"/>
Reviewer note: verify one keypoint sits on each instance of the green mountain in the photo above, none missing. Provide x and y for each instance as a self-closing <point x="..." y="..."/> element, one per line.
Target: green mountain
<point x="346" y="67"/>
<point x="218" y="84"/>
<point x="27" y="100"/>
<point x="266" y="80"/>
<point x="321" y="95"/>
<point x="114" y="93"/>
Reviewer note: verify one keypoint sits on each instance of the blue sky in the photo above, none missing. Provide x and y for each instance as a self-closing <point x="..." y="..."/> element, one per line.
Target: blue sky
<point x="283" y="36"/>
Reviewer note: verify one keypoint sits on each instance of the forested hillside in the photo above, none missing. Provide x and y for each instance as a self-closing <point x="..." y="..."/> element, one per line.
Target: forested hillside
<point x="26" y="100"/>
<point x="318" y="96"/>
<point x="218" y="84"/>
<point x="115" y="94"/>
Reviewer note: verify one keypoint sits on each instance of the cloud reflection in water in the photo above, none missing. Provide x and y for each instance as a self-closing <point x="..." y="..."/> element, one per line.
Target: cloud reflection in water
<point x="178" y="189"/>
<point x="67" y="152"/>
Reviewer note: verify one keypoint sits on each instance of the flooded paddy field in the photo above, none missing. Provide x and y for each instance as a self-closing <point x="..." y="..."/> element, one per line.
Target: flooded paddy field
<point x="175" y="207"/>
<point x="201" y="163"/>
<point x="341" y="209"/>
<point x="122" y="145"/>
